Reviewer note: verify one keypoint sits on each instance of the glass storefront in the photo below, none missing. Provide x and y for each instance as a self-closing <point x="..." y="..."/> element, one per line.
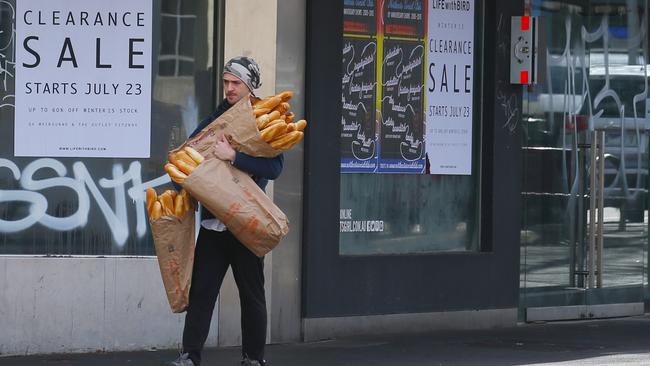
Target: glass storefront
<point x="584" y="236"/>
<point x="92" y="206"/>
<point x="410" y="127"/>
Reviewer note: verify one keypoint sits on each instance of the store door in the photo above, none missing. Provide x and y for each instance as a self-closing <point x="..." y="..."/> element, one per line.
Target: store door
<point x="584" y="232"/>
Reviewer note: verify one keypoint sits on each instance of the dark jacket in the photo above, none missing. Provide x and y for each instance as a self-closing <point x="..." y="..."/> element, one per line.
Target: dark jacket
<point x="262" y="169"/>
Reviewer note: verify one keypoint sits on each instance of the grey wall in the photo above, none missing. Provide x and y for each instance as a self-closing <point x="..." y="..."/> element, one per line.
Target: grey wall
<point x="52" y="305"/>
<point x="282" y="265"/>
<point x="288" y="189"/>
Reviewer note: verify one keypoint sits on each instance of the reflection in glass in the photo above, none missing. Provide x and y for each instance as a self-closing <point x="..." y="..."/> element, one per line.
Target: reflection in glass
<point x="418" y="213"/>
<point x="593" y="77"/>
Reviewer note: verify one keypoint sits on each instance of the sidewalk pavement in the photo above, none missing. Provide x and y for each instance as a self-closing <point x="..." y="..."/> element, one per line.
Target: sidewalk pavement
<point x="623" y="341"/>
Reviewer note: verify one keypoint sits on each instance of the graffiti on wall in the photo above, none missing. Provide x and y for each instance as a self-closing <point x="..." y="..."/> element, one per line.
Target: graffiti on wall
<point x="127" y="187"/>
<point x="96" y="206"/>
<point x="7" y="54"/>
<point x="81" y="182"/>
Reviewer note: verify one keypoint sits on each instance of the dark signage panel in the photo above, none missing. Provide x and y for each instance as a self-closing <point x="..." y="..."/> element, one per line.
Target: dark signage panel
<point x="359" y="17"/>
<point x="404" y="18"/>
<point x="402" y="120"/>
<point x="358" y="94"/>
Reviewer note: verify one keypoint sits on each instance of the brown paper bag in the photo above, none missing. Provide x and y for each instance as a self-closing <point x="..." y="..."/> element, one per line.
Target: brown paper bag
<point x="238" y="124"/>
<point x="235" y="199"/>
<point x="174" y="242"/>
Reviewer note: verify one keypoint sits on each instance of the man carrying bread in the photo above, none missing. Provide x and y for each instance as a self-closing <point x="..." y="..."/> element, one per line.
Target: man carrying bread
<point x="217" y="249"/>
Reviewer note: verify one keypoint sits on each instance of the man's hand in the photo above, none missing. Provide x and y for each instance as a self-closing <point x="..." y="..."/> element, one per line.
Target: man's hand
<point x="223" y="150"/>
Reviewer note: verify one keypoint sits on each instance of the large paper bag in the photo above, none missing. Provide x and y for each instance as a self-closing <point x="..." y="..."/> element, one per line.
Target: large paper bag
<point x="235" y="199"/>
<point x="239" y="126"/>
<point x="174" y="242"/>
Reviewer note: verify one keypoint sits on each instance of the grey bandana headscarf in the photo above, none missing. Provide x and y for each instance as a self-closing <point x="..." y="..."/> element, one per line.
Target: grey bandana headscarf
<point x="245" y="69"/>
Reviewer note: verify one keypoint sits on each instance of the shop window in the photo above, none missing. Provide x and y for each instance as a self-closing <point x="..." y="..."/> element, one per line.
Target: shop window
<point x="410" y="127"/>
<point x="83" y="205"/>
<point x="177" y="49"/>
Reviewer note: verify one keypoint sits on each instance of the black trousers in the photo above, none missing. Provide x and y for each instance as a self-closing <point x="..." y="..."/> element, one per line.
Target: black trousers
<point x="214" y="252"/>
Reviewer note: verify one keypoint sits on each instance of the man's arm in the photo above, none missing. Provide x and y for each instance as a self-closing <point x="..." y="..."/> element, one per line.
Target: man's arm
<point x="267" y="168"/>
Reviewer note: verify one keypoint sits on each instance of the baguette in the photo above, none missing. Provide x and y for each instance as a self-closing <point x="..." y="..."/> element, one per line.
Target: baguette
<point x="274" y="131"/>
<point x="300" y="125"/>
<point x="175" y="174"/>
<point x="271" y="117"/>
<point x="156" y="211"/>
<point x="287" y="141"/>
<point x="167" y="203"/>
<point x="187" y="201"/>
<point x="179" y="207"/>
<point x="273" y="123"/>
<point x="283" y="108"/>
<point x="172" y="158"/>
<point x="182" y="155"/>
<point x="195" y="155"/>
<point x="260" y="111"/>
<point x="285" y="95"/>
<point x="172" y="193"/>
<point x="151" y="197"/>
<point x="184" y="167"/>
<point x="290" y="117"/>
<point x="261" y="120"/>
<point x="259" y="102"/>
<point x="269" y="103"/>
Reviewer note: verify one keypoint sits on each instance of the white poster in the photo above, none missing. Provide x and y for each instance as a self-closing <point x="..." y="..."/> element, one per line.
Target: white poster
<point x="450" y="57"/>
<point x="83" y="78"/>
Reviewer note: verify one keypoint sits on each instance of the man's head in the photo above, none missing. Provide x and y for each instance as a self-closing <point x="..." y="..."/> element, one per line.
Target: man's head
<point x="241" y="76"/>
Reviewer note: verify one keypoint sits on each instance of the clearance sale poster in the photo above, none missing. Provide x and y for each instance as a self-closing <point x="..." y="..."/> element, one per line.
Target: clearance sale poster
<point x="83" y="78"/>
<point x="407" y="79"/>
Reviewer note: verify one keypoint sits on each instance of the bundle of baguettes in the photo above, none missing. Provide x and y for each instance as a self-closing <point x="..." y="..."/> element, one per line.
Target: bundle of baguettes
<point x="232" y="196"/>
<point x="228" y="193"/>
<point x="169" y="203"/>
<point x="239" y="125"/>
<point x="182" y="163"/>
<point x="171" y="216"/>
<point x="275" y="121"/>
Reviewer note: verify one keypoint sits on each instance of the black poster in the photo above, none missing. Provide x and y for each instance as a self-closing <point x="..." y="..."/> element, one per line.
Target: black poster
<point x="402" y="119"/>
<point x="359" y="17"/>
<point x="404" y="18"/>
<point x="358" y="94"/>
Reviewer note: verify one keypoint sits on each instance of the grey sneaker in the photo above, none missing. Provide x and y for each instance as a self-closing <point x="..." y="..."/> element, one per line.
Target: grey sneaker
<point x="182" y="360"/>
<point x="248" y="362"/>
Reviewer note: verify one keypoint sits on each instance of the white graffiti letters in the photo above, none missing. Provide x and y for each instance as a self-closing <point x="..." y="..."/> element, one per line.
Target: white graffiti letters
<point x="79" y="218"/>
<point x="116" y="216"/>
<point x="38" y="203"/>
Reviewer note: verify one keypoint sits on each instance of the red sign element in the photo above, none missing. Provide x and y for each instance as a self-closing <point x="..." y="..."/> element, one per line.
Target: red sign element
<point x="355" y="27"/>
<point x="406" y="30"/>
<point x="525" y="23"/>
<point x="523" y="77"/>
